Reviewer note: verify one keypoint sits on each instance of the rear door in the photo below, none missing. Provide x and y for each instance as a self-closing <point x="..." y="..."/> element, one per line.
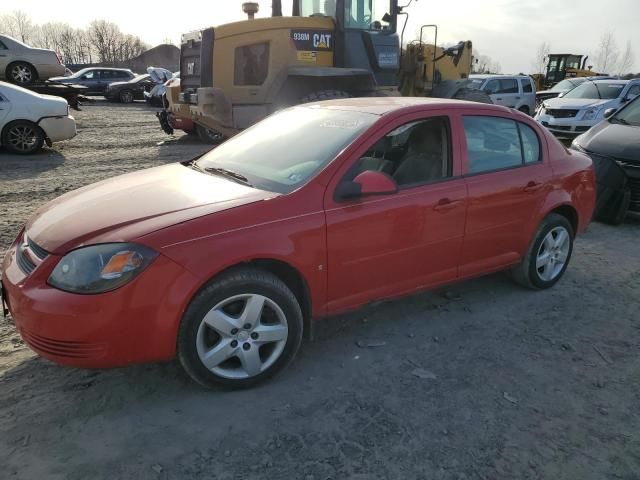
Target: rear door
<point x="508" y="93"/>
<point x="508" y="176"/>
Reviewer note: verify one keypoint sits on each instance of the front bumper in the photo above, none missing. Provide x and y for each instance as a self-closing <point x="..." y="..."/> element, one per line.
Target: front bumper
<point x="134" y="324"/>
<point x="565" y="127"/>
<point x="57" y="129"/>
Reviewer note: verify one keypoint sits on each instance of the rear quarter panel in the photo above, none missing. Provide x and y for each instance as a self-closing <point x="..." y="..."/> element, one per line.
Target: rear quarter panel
<point x="574" y="182"/>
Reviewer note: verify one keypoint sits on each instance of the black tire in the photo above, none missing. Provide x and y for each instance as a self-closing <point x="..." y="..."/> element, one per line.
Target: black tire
<point x="526" y="273"/>
<point x="524" y="109"/>
<point x="238" y="281"/>
<point x="21" y="73"/>
<point x="209" y="136"/>
<point x="126" y="96"/>
<point x="472" y="95"/>
<point x="324" y="95"/>
<point x="22" y="137"/>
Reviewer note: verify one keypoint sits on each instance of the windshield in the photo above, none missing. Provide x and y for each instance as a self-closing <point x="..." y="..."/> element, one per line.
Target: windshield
<point x="285" y="150"/>
<point x="367" y="14"/>
<point x="594" y="90"/>
<point x="630" y="114"/>
<point x="318" y="7"/>
<point x="475" y="83"/>
<point x="566" y="85"/>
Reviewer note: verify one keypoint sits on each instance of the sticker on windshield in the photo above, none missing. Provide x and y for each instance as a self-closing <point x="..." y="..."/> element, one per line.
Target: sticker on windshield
<point x="348" y="124"/>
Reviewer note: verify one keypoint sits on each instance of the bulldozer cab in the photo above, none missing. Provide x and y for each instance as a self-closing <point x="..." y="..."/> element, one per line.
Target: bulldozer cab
<point x="235" y="74"/>
<point x="560" y="66"/>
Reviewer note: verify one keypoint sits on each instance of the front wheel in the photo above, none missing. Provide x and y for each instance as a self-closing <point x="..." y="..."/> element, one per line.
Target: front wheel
<point x="548" y="255"/>
<point x="126" y="96"/>
<point x="23" y="137"/>
<point x="240" y="329"/>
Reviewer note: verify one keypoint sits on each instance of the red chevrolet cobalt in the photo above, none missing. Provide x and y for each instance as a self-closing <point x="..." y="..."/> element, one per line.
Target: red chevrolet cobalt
<point x="223" y="261"/>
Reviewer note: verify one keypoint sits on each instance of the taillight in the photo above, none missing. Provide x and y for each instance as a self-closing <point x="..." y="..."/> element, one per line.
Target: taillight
<point x="59" y="58"/>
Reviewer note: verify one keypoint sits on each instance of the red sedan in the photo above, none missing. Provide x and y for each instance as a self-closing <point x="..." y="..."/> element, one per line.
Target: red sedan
<point x="224" y="261"/>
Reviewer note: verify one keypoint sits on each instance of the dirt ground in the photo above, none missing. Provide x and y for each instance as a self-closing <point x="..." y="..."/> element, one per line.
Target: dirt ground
<point x="483" y="380"/>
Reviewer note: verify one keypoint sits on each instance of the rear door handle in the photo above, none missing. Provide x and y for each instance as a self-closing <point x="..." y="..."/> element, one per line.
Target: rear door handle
<point x="444" y="205"/>
<point x="499" y="98"/>
<point x="518" y="98"/>
<point x="533" y="186"/>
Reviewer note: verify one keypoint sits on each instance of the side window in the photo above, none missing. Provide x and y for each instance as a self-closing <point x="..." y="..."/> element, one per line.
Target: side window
<point x="90" y="75"/>
<point x="3" y="46"/>
<point x="530" y="144"/>
<point x="251" y="64"/>
<point x="634" y="91"/>
<point x="508" y="85"/>
<point x="526" y="85"/>
<point x="412" y="154"/>
<point x="492" y="86"/>
<point x="495" y="143"/>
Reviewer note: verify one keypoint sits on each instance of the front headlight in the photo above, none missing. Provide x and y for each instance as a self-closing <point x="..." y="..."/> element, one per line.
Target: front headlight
<point x="100" y="268"/>
<point x="591" y="114"/>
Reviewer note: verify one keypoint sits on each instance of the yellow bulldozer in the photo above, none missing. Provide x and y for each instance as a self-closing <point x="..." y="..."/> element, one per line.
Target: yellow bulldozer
<point x="233" y="75"/>
<point x="561" y="66"/>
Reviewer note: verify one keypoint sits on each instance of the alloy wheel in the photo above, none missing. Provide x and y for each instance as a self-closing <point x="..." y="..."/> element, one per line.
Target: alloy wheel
<point x="22" y="137"/>
<point x="242" y="336"/>
<point x="553" y="253"/>
<point x="21" y="74"/>
<point x="126" y="97"/>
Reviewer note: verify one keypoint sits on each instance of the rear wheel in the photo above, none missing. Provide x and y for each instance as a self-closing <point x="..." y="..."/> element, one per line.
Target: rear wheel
<point x="21" y="73"/>
<point x="23" y="137"/>
<point x="126" y="96"/>
<point x="321" y="95"/>
<point x="241" y="329"/>
<point x="548" y="255"/>
<point x="209" y="136"/>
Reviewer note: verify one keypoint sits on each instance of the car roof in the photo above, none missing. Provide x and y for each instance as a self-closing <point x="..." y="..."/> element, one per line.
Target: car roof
<point x="384" y="105"/>
<point x="495" y="75"/>
<point x="614" y="81"/>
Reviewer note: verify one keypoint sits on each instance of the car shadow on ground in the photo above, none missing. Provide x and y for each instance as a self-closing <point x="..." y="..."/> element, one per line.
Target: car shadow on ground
<point x="17" y="167"/>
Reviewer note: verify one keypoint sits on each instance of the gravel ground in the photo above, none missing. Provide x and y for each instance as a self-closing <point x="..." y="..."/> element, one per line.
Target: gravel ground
<point x="482" y="380"/>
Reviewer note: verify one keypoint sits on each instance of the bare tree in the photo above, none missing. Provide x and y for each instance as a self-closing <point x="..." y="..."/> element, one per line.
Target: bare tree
<point x="540" y="60"/>
<point x="608" y="53"/>
<point x="484" y="64"/>
<point x="627" y="60"/>
<point x="22" y="25"/>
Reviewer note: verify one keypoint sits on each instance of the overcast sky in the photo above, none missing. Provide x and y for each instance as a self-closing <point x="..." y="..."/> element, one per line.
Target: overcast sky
<point x="509" y="31"/>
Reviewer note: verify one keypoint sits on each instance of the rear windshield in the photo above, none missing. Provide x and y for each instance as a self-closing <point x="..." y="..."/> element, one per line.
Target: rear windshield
<point x="475" y="83"/>
<point x="565" y="85"/>
<point x="596" y="90"/>
<point x="285" y="150"/>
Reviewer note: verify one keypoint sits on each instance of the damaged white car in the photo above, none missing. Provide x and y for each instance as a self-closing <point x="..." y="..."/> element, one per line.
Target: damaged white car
<point x="29" y="120"/>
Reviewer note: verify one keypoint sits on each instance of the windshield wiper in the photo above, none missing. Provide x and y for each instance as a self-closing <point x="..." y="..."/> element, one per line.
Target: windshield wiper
<point x="229" y="174"/>
<point x="621" y="121"/>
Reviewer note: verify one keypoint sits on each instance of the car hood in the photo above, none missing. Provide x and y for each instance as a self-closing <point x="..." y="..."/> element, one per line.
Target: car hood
<point x="127" y="207"/>
<point x="550" y="92"/>
<point x="113" y="85"/>
<point x="577" y="103"/>
<point x="612" y="140"/>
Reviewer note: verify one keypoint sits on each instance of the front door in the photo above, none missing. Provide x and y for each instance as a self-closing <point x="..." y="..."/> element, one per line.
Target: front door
<point x="508" y="178"/>
<point x="388" y="245"/>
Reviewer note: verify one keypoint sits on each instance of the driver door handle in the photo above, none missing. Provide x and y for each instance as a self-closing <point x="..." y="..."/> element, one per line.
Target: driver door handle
<point x="533" y="186"/>
<point x="444" y="205"/>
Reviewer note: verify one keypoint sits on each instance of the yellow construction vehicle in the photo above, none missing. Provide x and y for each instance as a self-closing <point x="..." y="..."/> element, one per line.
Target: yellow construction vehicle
<point x="561" y="66"/>
<point x="233" y="75"/>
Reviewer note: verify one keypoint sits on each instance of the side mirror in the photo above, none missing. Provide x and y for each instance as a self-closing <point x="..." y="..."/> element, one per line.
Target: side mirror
<point x="365" y="184"/>
<point x="608" y="112"/>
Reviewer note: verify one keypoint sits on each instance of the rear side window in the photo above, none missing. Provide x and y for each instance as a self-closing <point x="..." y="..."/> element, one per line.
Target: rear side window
<point x="495" y="143"/>
<point x="3" y="46"/>
<point x="526" y="85"/>
<point x="251" y="64"/>
<point x="508" y="85"/>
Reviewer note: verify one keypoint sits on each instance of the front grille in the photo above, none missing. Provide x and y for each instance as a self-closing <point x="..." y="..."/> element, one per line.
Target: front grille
<point x="61" y="348"/>
<point x="633" y="183"/>
<point x="25" y="264"/>
<point x="557" y="113"/>
<point x="582" y="129"/>
<point x="38" y="251"/>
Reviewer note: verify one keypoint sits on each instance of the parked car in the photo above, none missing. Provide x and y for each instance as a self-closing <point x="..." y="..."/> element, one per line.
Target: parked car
<point x="127" y="92"/>
<point x="581" y="108"/>
<point x="28" y="119"/>
<point x="514" y="91"/>
<point x="317" y="209"/>
<point x="614" y="146"/>
<point x="23" y="65"/>
<point x="96" y="79"/>
<point x="566" y="85"/>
